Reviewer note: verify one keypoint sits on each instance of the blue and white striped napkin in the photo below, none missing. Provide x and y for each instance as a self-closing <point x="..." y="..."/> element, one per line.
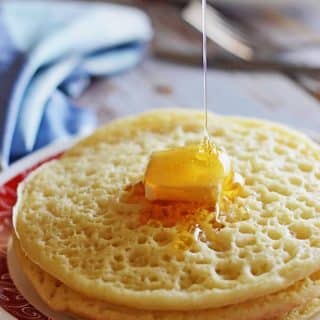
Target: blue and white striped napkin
<point x="48" y="53"/>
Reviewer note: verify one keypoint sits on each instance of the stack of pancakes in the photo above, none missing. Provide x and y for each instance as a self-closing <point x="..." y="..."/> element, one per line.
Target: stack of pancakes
<point x="87" y="253"/>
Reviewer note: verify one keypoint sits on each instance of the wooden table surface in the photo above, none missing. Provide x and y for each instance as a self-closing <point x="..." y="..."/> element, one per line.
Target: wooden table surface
<point x="157" y="83"/>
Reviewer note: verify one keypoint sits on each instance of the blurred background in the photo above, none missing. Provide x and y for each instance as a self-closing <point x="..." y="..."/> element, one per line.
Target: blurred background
<point x="69" y="66"/>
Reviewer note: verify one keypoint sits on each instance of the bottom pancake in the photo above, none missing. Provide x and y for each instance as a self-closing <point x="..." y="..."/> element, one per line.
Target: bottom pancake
<point x="275" y="306"/>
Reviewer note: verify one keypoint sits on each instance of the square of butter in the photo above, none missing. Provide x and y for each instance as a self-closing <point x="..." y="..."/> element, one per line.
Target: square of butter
<point x="183" y="174"/>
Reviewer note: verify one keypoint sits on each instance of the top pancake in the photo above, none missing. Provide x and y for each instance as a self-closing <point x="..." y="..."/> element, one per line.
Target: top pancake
<point x="72" y="221"/>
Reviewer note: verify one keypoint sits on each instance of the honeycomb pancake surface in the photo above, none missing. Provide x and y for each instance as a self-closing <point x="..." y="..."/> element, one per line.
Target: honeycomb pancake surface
<point x="73" y="223"/>
<point x="275" y="306"/>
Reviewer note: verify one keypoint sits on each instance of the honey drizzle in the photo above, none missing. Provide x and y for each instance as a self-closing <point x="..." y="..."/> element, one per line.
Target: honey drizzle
<point x="209" y="148"/>
<point x="168" y="213"/>
<point x="205" y="67"/>
<point x="190" y="219"/>
<point x="207" y="143"/>
<point x="218" y="202"/>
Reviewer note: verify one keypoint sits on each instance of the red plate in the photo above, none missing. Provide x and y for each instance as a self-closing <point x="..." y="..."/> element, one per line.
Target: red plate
<point x="13" y="305"/>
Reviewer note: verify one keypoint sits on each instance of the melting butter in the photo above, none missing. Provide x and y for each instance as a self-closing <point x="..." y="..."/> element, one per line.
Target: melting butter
<point x="195" y="173"/>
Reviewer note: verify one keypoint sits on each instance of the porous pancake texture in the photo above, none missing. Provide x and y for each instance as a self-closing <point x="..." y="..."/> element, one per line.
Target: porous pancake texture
<point x="308" y="311"/>
<point x="73" y="221"/>
<point x="275" y="306"/>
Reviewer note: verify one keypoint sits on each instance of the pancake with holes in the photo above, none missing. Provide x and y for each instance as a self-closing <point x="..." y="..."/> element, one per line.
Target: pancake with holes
<point x="298" y="302"/>
<point x="74" y="221"/>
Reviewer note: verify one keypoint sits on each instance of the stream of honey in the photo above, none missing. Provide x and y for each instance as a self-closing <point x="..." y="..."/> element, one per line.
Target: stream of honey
<point x="205" y="68"/>
<point x="209" y="146"/>
<point x="187" y="187"/>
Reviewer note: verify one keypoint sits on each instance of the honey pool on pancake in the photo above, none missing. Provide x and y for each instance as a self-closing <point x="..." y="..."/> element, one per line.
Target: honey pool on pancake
<point x="173" y="210"/>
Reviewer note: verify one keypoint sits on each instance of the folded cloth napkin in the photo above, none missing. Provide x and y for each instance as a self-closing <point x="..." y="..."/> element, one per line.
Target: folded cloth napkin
<point x="48" y="53"/>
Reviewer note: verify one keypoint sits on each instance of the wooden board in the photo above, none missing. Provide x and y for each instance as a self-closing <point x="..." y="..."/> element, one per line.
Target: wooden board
<point x="157" y="84"/>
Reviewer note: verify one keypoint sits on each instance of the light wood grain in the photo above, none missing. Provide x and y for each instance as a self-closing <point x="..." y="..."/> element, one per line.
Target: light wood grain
<point x="156" y="84"/>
